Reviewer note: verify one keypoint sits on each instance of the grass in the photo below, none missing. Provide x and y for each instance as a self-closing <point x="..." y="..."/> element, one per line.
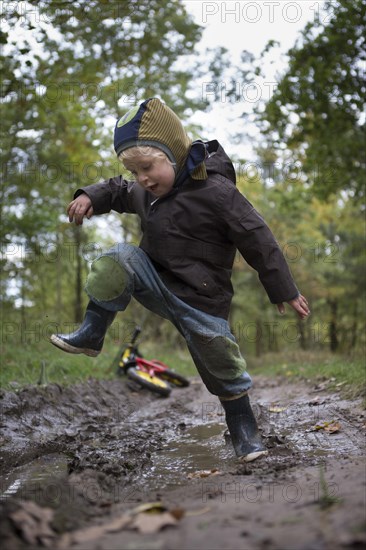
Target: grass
<point x="23" y="365"/>
<point x="338" y="373"/>
<point x="326" y="499"/>
<point x="37" y="362"/>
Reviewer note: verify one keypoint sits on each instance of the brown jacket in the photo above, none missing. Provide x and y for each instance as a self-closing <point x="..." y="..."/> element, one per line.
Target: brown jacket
<point x="192" y="234"/>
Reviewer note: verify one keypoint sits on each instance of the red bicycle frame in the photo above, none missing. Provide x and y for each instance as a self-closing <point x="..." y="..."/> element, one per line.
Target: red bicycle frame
<point x="152" y="366"/>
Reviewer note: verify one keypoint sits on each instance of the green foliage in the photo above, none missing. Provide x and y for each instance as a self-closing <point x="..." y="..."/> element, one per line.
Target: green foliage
<point x="323" y="245"/>
<point x="317" y="108"/>
<point x="69" y="70"/>
<point x="311" y="187"/>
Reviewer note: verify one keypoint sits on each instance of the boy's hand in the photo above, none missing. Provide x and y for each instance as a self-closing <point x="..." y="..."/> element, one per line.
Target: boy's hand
<point x="299" y="304"/>
<point x="79" y="208"/>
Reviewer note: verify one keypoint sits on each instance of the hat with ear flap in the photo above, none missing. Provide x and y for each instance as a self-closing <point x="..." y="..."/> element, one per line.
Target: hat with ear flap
<point x="154" y="124"/>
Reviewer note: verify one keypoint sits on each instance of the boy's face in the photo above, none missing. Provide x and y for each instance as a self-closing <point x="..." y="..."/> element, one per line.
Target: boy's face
<point x="155" y="174"/>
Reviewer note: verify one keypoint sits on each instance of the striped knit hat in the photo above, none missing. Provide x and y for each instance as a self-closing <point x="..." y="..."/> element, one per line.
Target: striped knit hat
<point x="154" y="124"/>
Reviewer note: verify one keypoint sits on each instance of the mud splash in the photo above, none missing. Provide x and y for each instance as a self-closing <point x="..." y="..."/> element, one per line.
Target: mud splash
<point x="201" y="447"/>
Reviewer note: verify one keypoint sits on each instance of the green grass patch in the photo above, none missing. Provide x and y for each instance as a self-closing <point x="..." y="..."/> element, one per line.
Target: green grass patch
<point x="21" y="364"/>
<point x="339" y="373"/>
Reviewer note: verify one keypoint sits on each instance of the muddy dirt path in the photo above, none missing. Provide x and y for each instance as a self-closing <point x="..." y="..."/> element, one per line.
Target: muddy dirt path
<point x="82" y="465"/>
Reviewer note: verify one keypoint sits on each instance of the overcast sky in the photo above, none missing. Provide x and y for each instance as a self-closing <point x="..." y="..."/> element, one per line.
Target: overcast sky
<point x="248" y="25"/>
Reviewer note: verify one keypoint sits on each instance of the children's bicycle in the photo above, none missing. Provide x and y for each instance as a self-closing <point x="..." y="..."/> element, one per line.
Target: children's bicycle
<point x="148" y="373"/>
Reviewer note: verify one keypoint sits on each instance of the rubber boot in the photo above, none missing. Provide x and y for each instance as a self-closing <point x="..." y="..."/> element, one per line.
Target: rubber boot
<point x="89" y="337"/>
<point x="243" y="429"/>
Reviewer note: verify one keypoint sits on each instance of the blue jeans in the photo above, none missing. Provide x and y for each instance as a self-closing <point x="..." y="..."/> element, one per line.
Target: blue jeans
<point x="125" y="271"/>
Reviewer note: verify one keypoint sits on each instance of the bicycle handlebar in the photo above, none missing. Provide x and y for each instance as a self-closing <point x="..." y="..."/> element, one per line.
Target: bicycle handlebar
<point x="135" y="334"/>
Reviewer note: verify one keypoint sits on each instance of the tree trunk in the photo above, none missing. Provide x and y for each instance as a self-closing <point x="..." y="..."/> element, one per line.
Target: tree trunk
<point x="302" y="339"/>
<point x="59" y="272"/>
<point x="353" y="339"/>
<point x="333" y="337"/>
<point x="258" y="339"/>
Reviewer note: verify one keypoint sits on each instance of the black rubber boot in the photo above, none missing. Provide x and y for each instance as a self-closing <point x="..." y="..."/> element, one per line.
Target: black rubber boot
<point x="89" y="337"/>
<point x="243" y="429"/>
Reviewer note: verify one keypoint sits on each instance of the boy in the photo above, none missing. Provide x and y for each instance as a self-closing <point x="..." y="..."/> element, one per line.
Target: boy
<point x="192" y="218"/>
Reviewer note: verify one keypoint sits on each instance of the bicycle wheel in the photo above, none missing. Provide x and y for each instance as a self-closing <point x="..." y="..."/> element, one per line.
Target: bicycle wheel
<point x="152" y="383"/>
<point x="174" y="378"/>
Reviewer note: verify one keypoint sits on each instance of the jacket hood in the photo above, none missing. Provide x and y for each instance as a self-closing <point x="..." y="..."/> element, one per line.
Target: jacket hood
<point x="153" y="123"/>
<point x="218" y="162"/>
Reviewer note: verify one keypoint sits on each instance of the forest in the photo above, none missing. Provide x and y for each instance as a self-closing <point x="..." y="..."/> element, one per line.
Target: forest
<point x="69" y="69"/>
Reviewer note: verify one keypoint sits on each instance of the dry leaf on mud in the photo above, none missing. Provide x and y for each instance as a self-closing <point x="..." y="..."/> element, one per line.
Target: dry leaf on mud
<point x="150" y="508"/>
<point x="147" y="523"/>
<point x="333" y="427"/>
<point x="33" y="522"/>
<point x="204" y="473"/>
<point x="276" y="409"/>
<point x="330" y="427"/>
<point x="147" y="518"/>
<point x="177" y="513"/>
<point x="95" y="532"/>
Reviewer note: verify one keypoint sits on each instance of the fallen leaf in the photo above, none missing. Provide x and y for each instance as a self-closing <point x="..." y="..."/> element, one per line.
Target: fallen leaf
<point x="94" y="532"/>
<point x="87" y="534"/>
<point x="150" y="523"/>
<point x="178" y="513"/>
<point x="204" y="473"/>
<point x="276" y="409"/>
<point x="330" y="427"/>
<point x="333" y="428"/>
<point x="118" y="523"/>
<point x="147" y="518"/>
<point x="33" y="522"/>
<point x="150" y="507"/>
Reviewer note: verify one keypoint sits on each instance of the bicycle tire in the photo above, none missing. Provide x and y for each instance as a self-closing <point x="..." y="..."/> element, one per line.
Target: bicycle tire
<point x="122" y="368"/>
<point x="174" y="378"/>
<point x="152" y="383"/>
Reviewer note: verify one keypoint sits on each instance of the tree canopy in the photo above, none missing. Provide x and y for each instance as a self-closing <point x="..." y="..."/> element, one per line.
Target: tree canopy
<point x="69" y="69"/>
<point x="316" y="110"/>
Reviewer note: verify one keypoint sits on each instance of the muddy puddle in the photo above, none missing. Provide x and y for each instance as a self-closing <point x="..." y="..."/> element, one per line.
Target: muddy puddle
<point x="135" y="450"/>
<point x="197" y="448"/>
<point x="90" y="452"/>
<point x="28" y="479"/>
